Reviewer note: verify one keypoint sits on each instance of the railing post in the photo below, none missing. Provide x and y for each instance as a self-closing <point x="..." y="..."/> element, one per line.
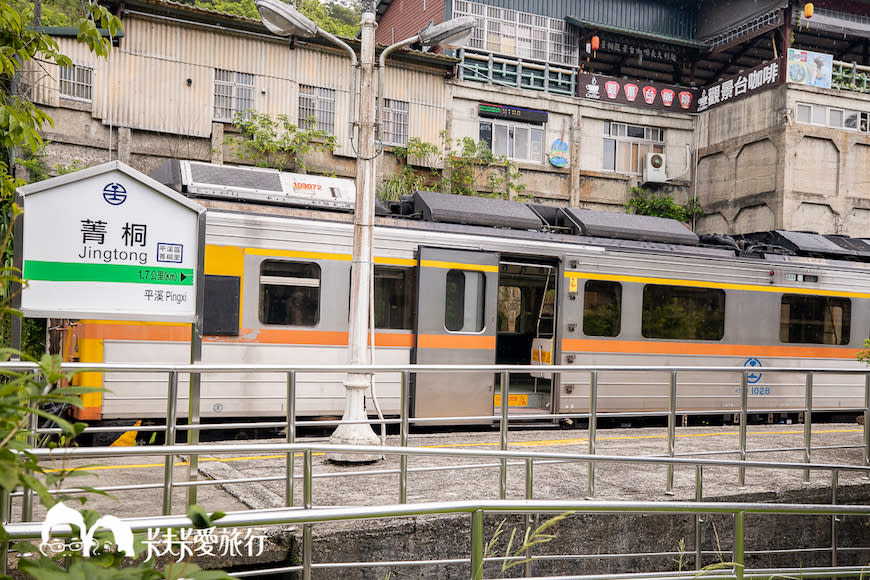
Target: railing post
<point x="699" y="519"/>
<point x="404" y="413"/>
<point x="530" y="518"/>
<point x="808" y="424"/>
<point x="867" y="423"/>
<point x="307" y="475"/>
<point x="672" y="431"/>
<point x="291" y="437"/>
<point x="33" y="441"/>
<point x="739" y="538"/>
<point x="171" y="415"/>
<point x="193" y="421"/>
<point x="477" y="544"/>
<point x="835" y="519"/>
<point x="744" y="419"/>
<point x="503" y="432"/>
<point x="519" y="73"/>
<point x="593" y="426"/>
<point x="4" y="518"/>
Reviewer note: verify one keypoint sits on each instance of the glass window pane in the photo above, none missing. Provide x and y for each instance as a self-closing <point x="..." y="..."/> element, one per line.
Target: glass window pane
<point x="609" y="155"/>
<point x="635" y="132"/>
<point x="602" y="308"/>
<point x="536" y="152"/>
<point x="464" y="301"/>
<point x="289" y="293"/>
<point x="395" y="297"/>
<point x="835" y="118"/>
<point x="804" y="113"/>
<point x="486" y="134"/>
<point x="500" y="140"/>
<point x="850" y="120"/>
<point x="819" y="114"/>
<point x="814" y="319"/>
<point x="521" y="143"/>
<point x="623" y="158"/>
<point x="681" y="312"/>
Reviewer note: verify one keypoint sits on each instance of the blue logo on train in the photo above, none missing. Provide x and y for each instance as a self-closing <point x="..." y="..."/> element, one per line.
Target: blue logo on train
<point x="752" y="378"/>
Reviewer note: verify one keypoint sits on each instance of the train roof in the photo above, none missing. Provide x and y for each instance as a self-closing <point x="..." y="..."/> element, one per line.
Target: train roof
<point x="260" y="188"/>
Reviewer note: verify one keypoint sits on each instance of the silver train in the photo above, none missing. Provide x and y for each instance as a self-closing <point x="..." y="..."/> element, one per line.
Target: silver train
<point x="487" y="281"/>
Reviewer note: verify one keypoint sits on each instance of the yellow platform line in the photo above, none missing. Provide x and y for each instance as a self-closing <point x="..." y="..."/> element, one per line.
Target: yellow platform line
<point x="546" y="443"/>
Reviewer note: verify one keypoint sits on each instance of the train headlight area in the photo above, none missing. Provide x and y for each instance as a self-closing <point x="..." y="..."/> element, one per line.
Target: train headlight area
<point x="483" y="281"/>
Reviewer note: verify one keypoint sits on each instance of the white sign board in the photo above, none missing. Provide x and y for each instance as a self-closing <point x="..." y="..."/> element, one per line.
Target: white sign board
<point x="109" y="242"/>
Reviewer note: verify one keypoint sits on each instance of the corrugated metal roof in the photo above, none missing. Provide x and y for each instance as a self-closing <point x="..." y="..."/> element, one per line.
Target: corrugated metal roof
<point x="673" y="40"/>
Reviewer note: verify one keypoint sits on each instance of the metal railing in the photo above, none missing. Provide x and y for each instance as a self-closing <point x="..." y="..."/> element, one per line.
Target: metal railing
<point x="850" y="76"/>
<point x="502" y="418"/>
<point x="501" y="459"/>
<point x="518" y="73"/>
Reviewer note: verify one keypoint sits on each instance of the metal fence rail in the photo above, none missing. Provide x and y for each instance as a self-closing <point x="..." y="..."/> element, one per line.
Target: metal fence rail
<point x="735" y="567"/>
<point x="502" y="418"/>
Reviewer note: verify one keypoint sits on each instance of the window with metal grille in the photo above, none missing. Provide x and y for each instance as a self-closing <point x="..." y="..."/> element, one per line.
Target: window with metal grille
<point x="520" y="34"/>
<point x="626" y="146"/>
<point x="317" y="108"/>
<point x="233" y="93"/>
<point x="394" y="117"/>
<point x="77" y="82"/>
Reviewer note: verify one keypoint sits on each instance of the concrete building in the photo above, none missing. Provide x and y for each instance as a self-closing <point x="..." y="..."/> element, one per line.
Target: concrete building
<point x="589" y="99"/>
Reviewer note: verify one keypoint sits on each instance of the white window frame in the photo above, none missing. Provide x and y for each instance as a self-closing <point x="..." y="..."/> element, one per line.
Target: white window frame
<point x="628" y="147"/>
<point x="823" y="116"/>
<point x="317" y="108"/>
<point x="506" y="138"/>
<point x="233" y="93"/>
<point x="77" y="83"/>
<point x="394" y="119"/>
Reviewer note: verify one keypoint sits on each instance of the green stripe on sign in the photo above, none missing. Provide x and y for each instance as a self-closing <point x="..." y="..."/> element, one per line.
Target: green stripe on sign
<point x="123" y="273"/>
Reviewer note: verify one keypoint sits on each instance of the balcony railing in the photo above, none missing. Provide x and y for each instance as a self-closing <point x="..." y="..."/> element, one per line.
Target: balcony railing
<point x="508" y="72"/>
<point x="849" y="76"/>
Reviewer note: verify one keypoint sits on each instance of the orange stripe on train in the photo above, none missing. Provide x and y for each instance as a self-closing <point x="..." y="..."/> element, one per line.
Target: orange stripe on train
<point x="703" y="349"/>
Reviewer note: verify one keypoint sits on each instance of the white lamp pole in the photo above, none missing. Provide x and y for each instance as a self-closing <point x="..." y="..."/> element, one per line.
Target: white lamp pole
<point x="285" y="20"/>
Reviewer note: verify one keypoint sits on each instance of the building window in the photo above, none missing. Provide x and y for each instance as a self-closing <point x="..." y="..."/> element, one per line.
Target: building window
<point x="77" y="82"/>
<point x="317" y="108"/>
<point x="233" y="93"/>
<point x="602" y="308"/>
<point x="814" y="319"/>
<point x="626" y="146"/>
<point x="395" y="297"/>
<point x="394" y="117"/>
<point x="289" y="293"/>
<point x="520" y="34"/>
<point x="464" y="301"/>
<point x="517" y="141"/>
<point x="683" y="313"/>
<point x="834" y="117"/>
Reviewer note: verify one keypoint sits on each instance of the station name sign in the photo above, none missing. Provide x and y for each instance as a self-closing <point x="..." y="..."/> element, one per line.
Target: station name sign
<point x="636" y="93"/>
<point x="512" y="113"/>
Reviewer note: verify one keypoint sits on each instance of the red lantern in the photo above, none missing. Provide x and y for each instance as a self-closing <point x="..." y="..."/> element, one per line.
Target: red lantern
<point x="596" y="42"/>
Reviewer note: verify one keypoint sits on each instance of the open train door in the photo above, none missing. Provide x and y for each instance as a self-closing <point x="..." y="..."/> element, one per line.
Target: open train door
<point x="456" y="324"/>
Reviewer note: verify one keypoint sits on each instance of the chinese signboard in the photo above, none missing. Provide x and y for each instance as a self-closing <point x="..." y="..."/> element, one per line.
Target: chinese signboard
<point x="109" y="242"/>
<point x="741" y="85"/>
<point x="642" y="50"/>
<point x="512" y="113"/>
<point x="637" y="93"/>
<point x="810" y="68"/>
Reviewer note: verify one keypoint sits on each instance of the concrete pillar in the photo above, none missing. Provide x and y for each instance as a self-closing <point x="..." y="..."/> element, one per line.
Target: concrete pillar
<point x="125" y="144"/>
<point x="217" y="143"/>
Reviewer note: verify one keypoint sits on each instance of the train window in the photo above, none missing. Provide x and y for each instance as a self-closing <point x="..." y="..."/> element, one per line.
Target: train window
<point x="602" y="308"/>
<point x="463" y="301"/>
<point x="289" y="293"/>
<point x="682" y="312"/>
<point x="814" y="319"/>
<point x="395" y="296"/>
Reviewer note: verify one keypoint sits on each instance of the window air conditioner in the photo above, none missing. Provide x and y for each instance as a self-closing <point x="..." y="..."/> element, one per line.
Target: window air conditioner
<point x="654" y="168"/>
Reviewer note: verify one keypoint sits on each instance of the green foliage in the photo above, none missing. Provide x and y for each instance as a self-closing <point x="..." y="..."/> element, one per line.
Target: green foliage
<point x="333" y="17"/>
<point x="864" y="355"/>
<point x="279" y="144"/>
<point x="662" y="205"/>
<point x="516" y="555"/>
<point x="470" y="168"/>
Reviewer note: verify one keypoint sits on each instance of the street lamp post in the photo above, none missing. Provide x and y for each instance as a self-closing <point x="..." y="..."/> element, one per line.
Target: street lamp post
<point x="285" y="20"/>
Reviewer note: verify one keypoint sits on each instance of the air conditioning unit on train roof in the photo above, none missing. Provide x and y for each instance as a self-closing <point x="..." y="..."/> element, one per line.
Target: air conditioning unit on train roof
<point x="256" y="184"/>
<point x="654" y="168"/>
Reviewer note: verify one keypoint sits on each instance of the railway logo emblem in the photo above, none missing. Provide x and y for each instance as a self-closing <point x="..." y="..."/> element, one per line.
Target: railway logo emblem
<point x="115" y="194"/>
<point x="752" y="378"/>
